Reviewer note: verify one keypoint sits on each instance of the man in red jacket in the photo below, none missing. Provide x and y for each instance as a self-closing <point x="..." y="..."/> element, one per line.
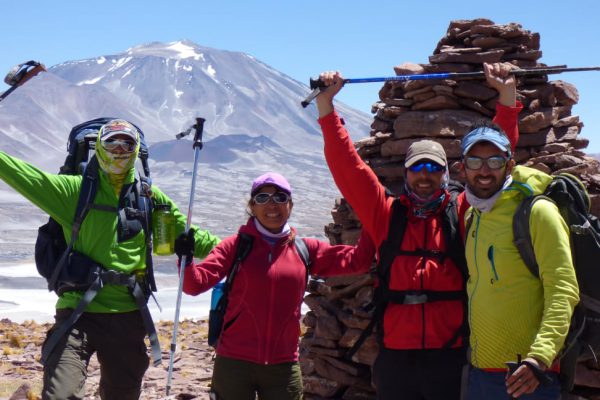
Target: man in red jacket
<point x="422" y="351"/>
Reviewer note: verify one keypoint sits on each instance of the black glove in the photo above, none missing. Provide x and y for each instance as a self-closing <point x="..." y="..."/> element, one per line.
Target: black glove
<point x="184" y="245"/>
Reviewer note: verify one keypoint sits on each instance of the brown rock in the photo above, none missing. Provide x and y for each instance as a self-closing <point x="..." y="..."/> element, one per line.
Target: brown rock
<point x="398" y="102"/>
<point x="23" y="392"/>
<point x="474" y="90"/>
<point x="329" y="371"/>
<point x="435" y="123"/>
<point x="321" y="386"/>
<point x="409" y="68"/>
<point x="413" y="93"/>
<point x="436" y="103"/>
<point x="531" y="55"/>
<point x="491" y="56"/>
<point x="460" y="50"/>
<point x="476" y="106"/>
<point x="464" y="24"/>
<point x="448" y="67"/>
<point x="353" y="393"/>
<point x="566" y="93"/>
<point x="486" y="42"/>
<point x="507" y="31"/>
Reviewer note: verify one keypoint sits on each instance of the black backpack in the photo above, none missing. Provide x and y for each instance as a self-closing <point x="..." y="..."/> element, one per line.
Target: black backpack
<point x="573" y="201"/>
<point x="390" y="249"/>
<point x="244" y="245"/>
<point x="69" y="270"/>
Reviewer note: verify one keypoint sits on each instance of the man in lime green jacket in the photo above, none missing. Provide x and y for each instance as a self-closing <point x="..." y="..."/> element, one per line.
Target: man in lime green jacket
<point x="513" y="314"/>
<point x="112" y="324"/>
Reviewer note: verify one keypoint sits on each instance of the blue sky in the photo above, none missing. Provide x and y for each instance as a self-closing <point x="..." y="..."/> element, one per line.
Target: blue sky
<point x="301" y="39"/>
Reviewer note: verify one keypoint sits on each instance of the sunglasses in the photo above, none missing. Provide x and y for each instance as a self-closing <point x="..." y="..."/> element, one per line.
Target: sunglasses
<point x="113" y="144"/>
<point x="278" y="198"/>
<point x="495" y="162"/>
<point x="430" y="166"/>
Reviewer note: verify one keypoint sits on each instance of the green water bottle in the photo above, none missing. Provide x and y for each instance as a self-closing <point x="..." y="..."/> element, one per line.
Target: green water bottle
<point x="163" y="230"/>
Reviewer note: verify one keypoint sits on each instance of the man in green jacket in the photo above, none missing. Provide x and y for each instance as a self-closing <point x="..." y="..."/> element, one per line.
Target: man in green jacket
<point x="112" y="325"/>
<point x="513" y="314"/>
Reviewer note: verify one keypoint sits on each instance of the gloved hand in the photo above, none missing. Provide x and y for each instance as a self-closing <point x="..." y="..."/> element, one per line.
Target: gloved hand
<point x="185" y="244"/>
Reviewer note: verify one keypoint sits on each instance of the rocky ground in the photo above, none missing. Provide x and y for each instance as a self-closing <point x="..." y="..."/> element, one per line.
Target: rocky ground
<point x="21" y="374"/>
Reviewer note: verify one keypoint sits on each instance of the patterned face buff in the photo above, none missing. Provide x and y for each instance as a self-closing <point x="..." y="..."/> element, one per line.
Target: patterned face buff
<point x="117" y="160"/>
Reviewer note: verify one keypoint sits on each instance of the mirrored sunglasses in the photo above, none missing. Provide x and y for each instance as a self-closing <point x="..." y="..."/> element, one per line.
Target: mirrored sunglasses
<point x="495" y="162"/>
<point x="114" y="144"/>
<point x="278" y="197"/>
<point x="430" y="166"/>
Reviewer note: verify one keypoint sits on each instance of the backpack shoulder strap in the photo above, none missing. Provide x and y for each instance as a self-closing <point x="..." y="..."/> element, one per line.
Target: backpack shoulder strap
<point x="87" y="194"/>
<point x="303" y="252"/>
<point x="242" y="249"/>
<point x="388" y="249"/>
<point x="387" y="253"/>
<point x="453" y="239"/>
<point x="522" y="233"/>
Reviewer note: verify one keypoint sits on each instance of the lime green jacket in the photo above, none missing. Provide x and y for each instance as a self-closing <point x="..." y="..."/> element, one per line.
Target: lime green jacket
<point x="511" y="311"/>
<point x="57" y="195"/>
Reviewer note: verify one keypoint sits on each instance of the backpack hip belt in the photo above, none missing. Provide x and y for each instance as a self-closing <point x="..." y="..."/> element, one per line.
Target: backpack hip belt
<point x="96" y="278"/>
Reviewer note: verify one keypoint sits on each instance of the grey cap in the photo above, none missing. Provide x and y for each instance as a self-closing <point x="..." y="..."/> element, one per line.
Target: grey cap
<point x="425" y="150"/>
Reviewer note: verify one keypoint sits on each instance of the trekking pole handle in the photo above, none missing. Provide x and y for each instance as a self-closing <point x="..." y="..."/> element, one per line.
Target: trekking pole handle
<point x="199" y="129"/>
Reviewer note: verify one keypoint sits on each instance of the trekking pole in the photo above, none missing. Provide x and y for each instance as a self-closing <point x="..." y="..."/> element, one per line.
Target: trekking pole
<point x="197" y="145"/>
<point x="318" y="85"/>
<point x="20" y="74"/>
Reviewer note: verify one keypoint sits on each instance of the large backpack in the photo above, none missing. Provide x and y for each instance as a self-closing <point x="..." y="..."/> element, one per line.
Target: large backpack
<point x="390" y="249"/>
<point x="572" y="199"/>
<point x="69" y="270"/>
<point x="242" y="249"/>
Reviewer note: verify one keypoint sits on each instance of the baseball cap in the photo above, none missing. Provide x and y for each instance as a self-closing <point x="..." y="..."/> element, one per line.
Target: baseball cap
<point x="425" y="150"/>
<point x="486" y="134"/>
<point x="118" y="127"/>
<point x="271" y="179"/>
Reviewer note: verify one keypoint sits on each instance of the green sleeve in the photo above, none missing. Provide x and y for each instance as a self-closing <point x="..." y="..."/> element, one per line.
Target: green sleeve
<point x="550" y="237"/>
<point x="55" y="194"/>
<point x="205" y="240"/>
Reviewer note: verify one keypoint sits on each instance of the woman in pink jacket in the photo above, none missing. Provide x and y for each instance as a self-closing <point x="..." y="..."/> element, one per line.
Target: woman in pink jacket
<point x="257" y="351"/>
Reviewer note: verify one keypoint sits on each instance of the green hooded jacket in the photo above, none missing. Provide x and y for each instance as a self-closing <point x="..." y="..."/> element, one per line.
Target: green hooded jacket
<point x="511" y="311"/>
<point x="57" y="195"/>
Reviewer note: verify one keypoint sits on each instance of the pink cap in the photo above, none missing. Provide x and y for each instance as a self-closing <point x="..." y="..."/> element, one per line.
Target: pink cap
<point x="271" y="179"/>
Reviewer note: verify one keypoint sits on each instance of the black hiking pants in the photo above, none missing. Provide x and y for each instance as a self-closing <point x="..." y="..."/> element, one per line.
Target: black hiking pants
<point x="431" y="374"/>
<point x="117" y="340"/>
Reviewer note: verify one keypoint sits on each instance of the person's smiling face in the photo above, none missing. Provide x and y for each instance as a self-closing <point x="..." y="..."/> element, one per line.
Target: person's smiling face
<point x="482" y="180"/>
<point x="272" y="214"/>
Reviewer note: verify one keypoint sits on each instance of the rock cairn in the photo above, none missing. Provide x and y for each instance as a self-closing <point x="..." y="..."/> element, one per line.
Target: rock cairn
<point x="441" y="110"/>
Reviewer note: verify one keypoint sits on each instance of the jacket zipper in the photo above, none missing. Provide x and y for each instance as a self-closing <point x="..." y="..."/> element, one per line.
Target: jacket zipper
<point x="269" y="313"/>
<point x="491" y="258"/>
<point x="423" y="263"/>
<point x="474" y="238"/>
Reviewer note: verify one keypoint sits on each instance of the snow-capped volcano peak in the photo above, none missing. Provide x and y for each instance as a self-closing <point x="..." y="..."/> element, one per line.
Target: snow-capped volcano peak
<point x="178" y="50"/>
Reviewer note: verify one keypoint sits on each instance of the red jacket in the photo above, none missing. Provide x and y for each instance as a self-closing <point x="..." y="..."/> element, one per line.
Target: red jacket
<point x="419" y="326"/>
<point x="262" y="320"/>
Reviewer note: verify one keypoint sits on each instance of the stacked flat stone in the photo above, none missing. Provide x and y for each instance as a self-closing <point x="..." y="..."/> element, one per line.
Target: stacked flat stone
<point x="441" y="110"/>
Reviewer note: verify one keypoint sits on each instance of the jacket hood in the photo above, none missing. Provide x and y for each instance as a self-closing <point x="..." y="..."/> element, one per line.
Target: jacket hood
<point x="529" y="180"/>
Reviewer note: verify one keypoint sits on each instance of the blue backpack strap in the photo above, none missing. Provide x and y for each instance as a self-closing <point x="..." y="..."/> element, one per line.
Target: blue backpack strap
<point x="302" y="250"/>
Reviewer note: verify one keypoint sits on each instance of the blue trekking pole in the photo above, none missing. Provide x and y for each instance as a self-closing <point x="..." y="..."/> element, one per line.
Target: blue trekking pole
<point x="318" y="86"/>
<point x="197" y="145"/>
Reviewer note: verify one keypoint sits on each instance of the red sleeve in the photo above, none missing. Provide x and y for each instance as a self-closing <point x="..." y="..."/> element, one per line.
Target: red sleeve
<point x="341" y="260"/>
<point x="199" y="277"/>
<point x="355" y="180"/>
<point x="508" y="119"/>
